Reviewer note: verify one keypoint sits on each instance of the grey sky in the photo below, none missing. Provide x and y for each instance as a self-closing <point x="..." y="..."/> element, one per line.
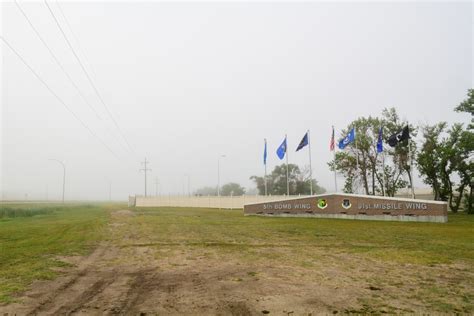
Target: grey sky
<point x="189" y="81"/>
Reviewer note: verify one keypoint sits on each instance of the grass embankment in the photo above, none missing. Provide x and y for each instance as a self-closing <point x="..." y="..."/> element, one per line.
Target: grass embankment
<point x="32" y="236"/>
<point x="407" y="267"/>
<point x="403" y="242"/>
<point x="410" y="266"/>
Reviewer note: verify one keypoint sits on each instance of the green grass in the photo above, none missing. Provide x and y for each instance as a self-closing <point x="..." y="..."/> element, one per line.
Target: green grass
<point x="431" y="259"/>
<point x="403" y="242"/>
<point x="31" y="238"/>
<point x="30" y="244"/>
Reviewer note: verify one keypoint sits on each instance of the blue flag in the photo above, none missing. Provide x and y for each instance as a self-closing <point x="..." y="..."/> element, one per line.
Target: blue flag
<point x="281" y="151"/>
<point x="380" y="141"/>
<point x="303" y="142"/>
<point x="348" y="139"/>
<point x="265" y="153"/>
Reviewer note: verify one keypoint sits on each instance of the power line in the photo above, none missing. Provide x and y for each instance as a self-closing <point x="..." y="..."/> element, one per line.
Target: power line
<point x="56" y="60"/>
<point x="57" y="96"/>
<point x="88" y="76"/>
<point x="68" y="25"/>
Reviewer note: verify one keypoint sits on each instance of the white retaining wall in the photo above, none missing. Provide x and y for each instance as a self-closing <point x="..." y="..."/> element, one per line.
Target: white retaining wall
<point x="227" y="202"/>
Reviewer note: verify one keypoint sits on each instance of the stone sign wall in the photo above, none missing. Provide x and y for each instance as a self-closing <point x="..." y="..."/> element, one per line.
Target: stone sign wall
<point x="352" y="206"/>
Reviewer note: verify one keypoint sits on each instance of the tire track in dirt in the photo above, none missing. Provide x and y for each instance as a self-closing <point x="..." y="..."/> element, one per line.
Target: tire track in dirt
<point x="62" y="289"/>
<point x="78" y="289"/>
<point x="137" y="290"/>
<point x="81" y="301"/>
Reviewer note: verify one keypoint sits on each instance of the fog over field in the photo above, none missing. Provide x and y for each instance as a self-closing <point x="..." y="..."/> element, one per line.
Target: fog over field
<point x="187" y="82"/>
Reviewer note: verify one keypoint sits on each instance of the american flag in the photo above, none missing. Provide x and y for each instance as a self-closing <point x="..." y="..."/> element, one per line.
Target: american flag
<point x="332" y="143"/>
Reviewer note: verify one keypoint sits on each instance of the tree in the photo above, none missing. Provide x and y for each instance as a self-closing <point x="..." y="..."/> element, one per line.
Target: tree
<point x="462" y="164"/>
<point x="361" y="164"/>
<point x="430" y="160"/>
<point x="358" y="162"/>
<point x="466" y="145"/>
<point x="206" y="191"/>
<point x="456" y="150"/>
<point x="233" y="189"/>
<point x="443" y="159"/>
<point x="466" y="168"/>
<point x="402" y="156"/>
<point x="468" y="107"/>
<point x="298" y="180"/>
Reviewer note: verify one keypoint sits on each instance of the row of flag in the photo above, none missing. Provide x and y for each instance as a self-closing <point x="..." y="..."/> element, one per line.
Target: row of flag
<point x="281" y="150"/>
<point x="281" y="153"/>
<point x="393" y="141"/>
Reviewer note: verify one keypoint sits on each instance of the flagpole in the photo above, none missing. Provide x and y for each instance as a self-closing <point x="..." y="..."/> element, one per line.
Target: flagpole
<point x="384" y="183"/>
<point x="411" y="169"/>
<point x="357" y="156"/>
<point x="266" y="192"/>
<point x="335" y="176"/>
<point x="380" y="139"/>
<point x="334" y="151"/>
<point x="310" y="167"/>
<point x="287" y="178"/>
<point x="266" y="188"/>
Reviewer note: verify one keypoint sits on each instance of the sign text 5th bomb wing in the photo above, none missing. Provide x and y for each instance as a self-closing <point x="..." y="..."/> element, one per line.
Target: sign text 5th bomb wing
<point x="287" y="206"/>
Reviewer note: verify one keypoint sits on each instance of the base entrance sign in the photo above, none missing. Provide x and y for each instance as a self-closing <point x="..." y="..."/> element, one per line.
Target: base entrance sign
<point x="353" y="206"/>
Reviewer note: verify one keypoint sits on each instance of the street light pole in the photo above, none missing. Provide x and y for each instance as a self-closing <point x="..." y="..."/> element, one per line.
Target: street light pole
<point x="189" y="190"/>
<point x="219" y="175"/>
<point x="219" y="179"/>
<point x="64" y="174"/>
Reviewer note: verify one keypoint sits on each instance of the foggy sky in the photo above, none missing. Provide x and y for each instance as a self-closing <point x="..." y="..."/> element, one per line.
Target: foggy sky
<point x="187" y="82"/>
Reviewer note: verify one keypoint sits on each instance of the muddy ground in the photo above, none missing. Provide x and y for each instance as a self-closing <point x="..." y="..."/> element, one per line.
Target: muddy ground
<point x="124" y="275"/>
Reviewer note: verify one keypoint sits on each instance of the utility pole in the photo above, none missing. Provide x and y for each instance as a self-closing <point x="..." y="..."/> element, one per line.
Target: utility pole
<point x="145" y="170"/>
<point x="156" y="186"/>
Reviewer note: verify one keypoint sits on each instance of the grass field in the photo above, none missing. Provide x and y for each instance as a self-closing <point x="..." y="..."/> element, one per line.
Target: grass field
<point x="424" y="243"/>
<point x="33" y="236"/>
<point x="211" y="261"/>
